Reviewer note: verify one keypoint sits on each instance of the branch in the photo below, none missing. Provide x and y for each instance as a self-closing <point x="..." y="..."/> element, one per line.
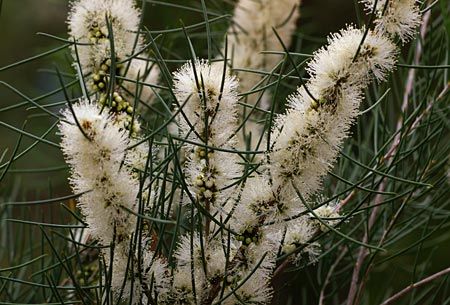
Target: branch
<point x="353" y="290"/>
<point x="415" y="285"/>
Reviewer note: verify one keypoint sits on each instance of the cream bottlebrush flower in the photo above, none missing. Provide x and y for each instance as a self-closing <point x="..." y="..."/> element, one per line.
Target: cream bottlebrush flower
<point x="399" y="18"/>
<point x="123" y="282"/>
<point x="182" y="291"/>
<point x="328" y="215"/>
<point x="136" y="280"/>
<point x="87" y="24"/>
<point x="211" y="110"/>
<point x="157" y="275"/>
<point x="209" y="262"/>
<point x="97" y="173"/>
<point x="148" y="73"/>
<point x="212" y="253"/>
<point x="308" y="137"/>
<point x="255" y="290"/>
<point x="251" y="32"/>
<point x="254" y="264"/>
<point x="137" y="157"/>
<point x="299" y="233"/>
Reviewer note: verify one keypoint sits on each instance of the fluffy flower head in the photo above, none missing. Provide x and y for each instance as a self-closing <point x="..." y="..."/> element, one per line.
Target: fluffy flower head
<point x="399" y="18"/>
<point x="87" y="24"/>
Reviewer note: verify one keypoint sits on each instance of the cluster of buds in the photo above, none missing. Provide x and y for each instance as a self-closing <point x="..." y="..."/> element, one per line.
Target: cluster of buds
<point x="97" y="34"/>
<point x="100" y="76"/>
<point x="249" y="236"/>
<point x="88" y="24"/>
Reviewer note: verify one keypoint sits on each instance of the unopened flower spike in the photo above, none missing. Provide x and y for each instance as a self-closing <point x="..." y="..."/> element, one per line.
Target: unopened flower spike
<point x="249" y="34"/>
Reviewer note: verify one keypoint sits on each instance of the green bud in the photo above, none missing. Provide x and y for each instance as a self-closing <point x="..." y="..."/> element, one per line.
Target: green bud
<point x="229" y="279"/>
<point x="208" y="194"/>
<point x="199" y="182"/>
<point x="209" y="184"/>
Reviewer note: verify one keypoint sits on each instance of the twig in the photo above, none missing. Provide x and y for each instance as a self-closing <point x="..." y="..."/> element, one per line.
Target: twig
<point x="330" y="272"/>
<point x="429" y="106"/>
<point x="353" y="290"/>
<point x="280" y="269"/>
<point x="346" y="200"/>
<point x="415" y="285"/>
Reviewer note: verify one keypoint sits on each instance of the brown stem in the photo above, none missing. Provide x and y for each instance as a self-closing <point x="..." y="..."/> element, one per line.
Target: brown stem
<point x="414" y="286"/>
<point x="346" y="200"/>
<point x="330" y="272"/>
<point x="363" y="252"/>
